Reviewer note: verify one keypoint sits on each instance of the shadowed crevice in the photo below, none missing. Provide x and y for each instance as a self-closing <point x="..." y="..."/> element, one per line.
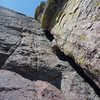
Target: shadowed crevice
<point x="3" y="58"/>
<point x="77" y="68"/>
<point x="48" y="35"/>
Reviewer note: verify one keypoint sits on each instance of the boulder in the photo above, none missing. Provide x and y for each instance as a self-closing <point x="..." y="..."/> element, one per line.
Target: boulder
<point x="76" y="29"/>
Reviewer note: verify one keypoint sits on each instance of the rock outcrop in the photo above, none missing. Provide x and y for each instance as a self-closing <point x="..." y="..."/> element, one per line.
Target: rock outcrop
<point x="38" y="69"/>
<point x="39" y="11"/>
<point x="75" y="25"/>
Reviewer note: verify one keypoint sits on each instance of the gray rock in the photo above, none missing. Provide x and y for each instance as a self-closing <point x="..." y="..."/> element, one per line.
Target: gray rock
<point x="35" y="58"/>
<point x="15" y="87"/>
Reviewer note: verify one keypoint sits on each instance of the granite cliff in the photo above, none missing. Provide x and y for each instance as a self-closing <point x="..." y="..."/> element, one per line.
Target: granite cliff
<point x="33" y="62"/>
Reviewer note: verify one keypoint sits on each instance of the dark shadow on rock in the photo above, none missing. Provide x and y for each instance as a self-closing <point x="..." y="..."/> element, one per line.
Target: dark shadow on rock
<point x="52" y="76"/>
<point x="77" y="68"/>
<point x="48" y="35"/>
<point x="3" y="58"/>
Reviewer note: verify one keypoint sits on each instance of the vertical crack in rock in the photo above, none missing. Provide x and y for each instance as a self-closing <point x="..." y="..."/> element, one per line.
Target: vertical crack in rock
<point x="76" y="67"/>
<point x="48" y="35"/>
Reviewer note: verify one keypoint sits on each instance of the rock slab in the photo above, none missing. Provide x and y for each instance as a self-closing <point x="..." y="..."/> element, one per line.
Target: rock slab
<point x="32" y="56"/>
<point x="75" y="25"/>
<point x="15" y="87"/>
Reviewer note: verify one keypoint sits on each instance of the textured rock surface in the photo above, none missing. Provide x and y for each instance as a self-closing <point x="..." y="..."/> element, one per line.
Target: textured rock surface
<point x="39" y="11"/>
<point x="34" y="54"/>
<point x="33" y="58"/>
<point x="15" y="87"/>
<point x="51" y="11"/>
<point x="76" y="29"/>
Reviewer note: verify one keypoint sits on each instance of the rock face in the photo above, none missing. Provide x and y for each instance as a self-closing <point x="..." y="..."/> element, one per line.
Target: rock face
<point x="51" y="11"/>
<point x="76" y="29"/>
<point x="39" y="11"/>
<point x="37" y="68"/>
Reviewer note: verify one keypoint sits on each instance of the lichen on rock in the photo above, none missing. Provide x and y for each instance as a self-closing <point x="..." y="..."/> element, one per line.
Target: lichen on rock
<point x="77" y="32"/>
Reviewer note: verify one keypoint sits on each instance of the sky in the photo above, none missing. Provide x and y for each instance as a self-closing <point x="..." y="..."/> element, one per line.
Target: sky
<point x="26" y="7"/>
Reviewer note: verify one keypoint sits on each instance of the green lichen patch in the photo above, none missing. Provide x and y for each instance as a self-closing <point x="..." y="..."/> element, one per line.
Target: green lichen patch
<point x="82" y="37"/>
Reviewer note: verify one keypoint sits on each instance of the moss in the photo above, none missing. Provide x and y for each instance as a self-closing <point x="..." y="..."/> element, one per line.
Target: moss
<point x="98" y="3"/>
<point x="96" y="17"/>
<point x="81" y="60"/>
<point x="59" y="16"/>
<point x="82" y="37"/>
<point x="96" y="72"/>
